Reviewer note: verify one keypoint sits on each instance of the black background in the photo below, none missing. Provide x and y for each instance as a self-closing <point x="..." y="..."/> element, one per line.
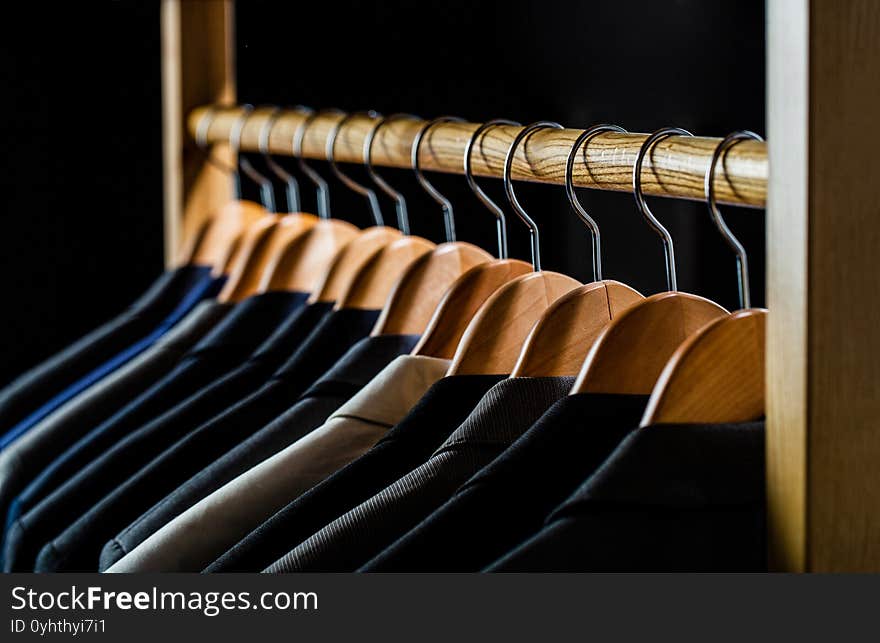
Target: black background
<point x="81" y="179"/>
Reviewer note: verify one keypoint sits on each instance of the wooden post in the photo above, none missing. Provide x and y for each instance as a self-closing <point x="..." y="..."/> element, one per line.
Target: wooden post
<point x="823" y="452"/>
<point x="197" y="69"/>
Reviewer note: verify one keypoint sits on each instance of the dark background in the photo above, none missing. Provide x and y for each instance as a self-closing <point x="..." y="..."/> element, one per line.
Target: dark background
<point x="81" y="178"/>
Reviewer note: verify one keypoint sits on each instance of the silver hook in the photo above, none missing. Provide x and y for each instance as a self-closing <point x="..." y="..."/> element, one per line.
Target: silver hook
<point x="446" y="204"/>
<point x="350" y="182"/>
<point x="293" y="200"/>
<point x="572" y="196"/>
<point x="494" y="208"/>
<point x="317" y="180"/>
<point x="202" y="143"/>
<point x="511" y="196"/>
<point x="668" y="249"/>
<point x="399" y="200"/>
<point x="742" y="264"/>
<point x="267" y="194"/>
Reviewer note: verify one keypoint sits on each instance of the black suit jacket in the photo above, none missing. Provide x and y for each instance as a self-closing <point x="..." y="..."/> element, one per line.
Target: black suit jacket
<point x="350" y="374"/>
<point x="501" y="416"/>
<point x="509" y="499"/>
<point x="671" y="498"/>
<point x="78" y="546"/>
<point x="443" y="407"/>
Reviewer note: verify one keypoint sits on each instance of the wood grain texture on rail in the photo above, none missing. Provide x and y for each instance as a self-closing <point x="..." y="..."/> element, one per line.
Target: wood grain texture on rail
<point x="675" y="167"/>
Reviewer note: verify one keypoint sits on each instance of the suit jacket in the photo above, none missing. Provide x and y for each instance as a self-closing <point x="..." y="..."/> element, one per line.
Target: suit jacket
<point x="504" y="413"/>
<point x="78" y="546"/>
<point x="25" y="457"/>
<point x="412" y="441"/>
<point x="203" y="532"/>
<point x="39" y="384"/>
<point x="499" y="507"/>
<point x="355" y="369"/>
<point x="204" y="289"/>
<point x="671" y="498"/>
<point x="108" y="454"/>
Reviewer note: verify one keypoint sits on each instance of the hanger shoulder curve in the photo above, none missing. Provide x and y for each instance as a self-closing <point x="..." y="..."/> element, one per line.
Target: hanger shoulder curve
<point x="371" y="285"/>
<point x="562" y="337"/>
<point x="215" y="241"/>
<point x="262" y="240"/>
<point x="493" y="340"/>
<point x="631" y="352"/>
<point x="462" y="301"/>
<point x="349" y="260"/>
<point x="422" y="286"/>
<point x="715" y="376"/>
<point x="298" y="263"/>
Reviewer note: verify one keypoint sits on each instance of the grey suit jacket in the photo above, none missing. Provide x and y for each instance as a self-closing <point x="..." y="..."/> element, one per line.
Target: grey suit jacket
<point x="26" y="457"/>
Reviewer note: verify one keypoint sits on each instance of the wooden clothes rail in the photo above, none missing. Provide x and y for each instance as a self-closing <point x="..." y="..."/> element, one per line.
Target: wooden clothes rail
<point x="676" y="166"/>
<point x="823" y="234"/>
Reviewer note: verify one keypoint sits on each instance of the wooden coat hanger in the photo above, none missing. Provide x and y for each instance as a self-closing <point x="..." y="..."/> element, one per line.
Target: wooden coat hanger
<point x="215" y="242"/>
<point x="718" y="374"/>
<point x="470" y="291"/>
<point x="631" y="352"/>
<point x="494" y="338"/>
<point x="373" y="280"/>
<point x="562" y="337"/>
<point x="412" y="301"/>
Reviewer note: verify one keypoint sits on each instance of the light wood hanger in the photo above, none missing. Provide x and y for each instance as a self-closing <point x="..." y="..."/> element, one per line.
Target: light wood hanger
<point x="494" y="338"/>
<point x="414" y="298"/>
<point x="562" y="337"/>
<point x="631" y="352"/>
<point x="718" y="374"/>
<point x="470" y="291"/>
<point x="715" y="376"/>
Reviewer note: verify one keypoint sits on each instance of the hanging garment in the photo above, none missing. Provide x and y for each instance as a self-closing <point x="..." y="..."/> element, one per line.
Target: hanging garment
<point x="204" y="288"/>
<point x="504" y="413"/>
<point x="352" y="372"/>
<point x="137" y="430"/>
<point x="229" y="342"/>
<point x="671" y="498"/>
<point x="29" y="454"/>
<point x="39" y="384"/>
<point x="198" y="536"/>
<point x="499" y="507"/>
<point x="78" y="544"/>
<point x="412" y="441"/>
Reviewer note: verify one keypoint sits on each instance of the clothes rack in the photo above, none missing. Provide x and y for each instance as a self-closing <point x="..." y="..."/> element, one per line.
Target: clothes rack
<point x="823" y="232"/>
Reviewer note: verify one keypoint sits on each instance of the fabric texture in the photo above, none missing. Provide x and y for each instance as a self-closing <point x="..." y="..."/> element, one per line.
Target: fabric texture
<point x="199" y="535"/>
<point x="412" y="441"/>
<point x="77" y="547"/>
<point x="208" y="287"/>
<point x="505" y="412"/>
<point x="24" y="458"/>
<point x="108" y="454"/>
<point x="499" y="507"/>
<point x="671" y="498"/>
<point x="354" y="370"/>
<point x="35" y="387"/>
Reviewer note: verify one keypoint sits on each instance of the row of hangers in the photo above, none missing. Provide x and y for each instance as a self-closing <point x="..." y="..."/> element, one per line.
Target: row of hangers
<point x="697" y="361"/>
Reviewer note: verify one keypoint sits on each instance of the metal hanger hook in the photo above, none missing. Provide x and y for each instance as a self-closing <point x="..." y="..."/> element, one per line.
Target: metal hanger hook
<point x="494" y="208"/>
<point x="668" y="249"/>
<point x="267" y="192"/>
<point x="446" y="204"/>
<point x="742" y="263"/>
<point x="586" y="136"/>
<point x="317" y="180"/>
<point x="399" y="200"/>
<point x="292" y="185"/>
<point x="201" y="137"/>
<point x="350" y="182"/>
<point x="511" y="195"/>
